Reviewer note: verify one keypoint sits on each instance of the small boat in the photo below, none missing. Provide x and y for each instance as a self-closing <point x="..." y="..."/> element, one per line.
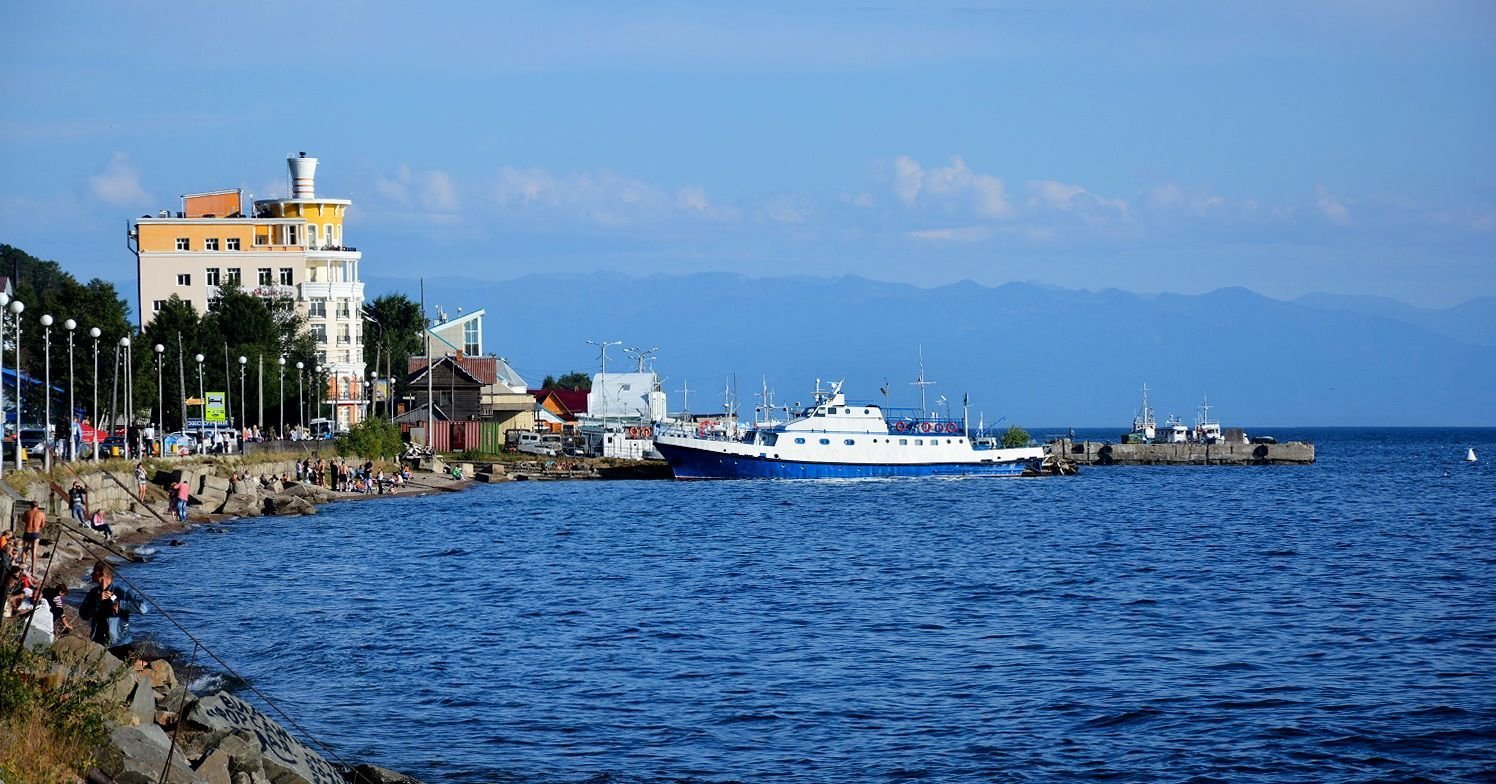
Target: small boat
<point x="837" y="439"/>
<point x="1470" y="455"/>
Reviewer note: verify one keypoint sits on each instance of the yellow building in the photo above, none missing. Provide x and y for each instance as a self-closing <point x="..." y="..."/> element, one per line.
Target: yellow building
<point x="283" y="248"/>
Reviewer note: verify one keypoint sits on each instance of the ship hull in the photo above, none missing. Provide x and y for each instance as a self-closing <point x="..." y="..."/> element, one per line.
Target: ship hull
<point x="692" y="463"/>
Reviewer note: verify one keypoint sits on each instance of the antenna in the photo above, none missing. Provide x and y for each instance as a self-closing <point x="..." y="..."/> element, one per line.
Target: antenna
<point x="642" y="355"/>
<point x="685" y="390"/>
<point x="922" y="383"/>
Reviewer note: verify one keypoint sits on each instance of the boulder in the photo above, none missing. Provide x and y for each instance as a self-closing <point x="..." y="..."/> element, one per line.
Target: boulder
<point x="242" y="505"/>
<point x="214" y="769"/>
<point x="218" y="483"/>
<point x="312" y="493"/>
<point x="211" y="500"/>
<point x="291" y="505"/>
<point x="143" y="702"/>
<point x="373" y="774"/>
<point x="91" y="661"/>
<point x="143" y="752"/>
<point x="285" y="759"/>
<point x="161" y="674"/>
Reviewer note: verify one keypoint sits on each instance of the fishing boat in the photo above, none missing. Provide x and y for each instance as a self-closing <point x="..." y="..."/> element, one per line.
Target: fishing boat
<point x="836" y="439"/>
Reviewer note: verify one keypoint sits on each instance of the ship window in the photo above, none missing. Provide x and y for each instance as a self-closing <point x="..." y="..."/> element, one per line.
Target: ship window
<point x="825" y="442"/>
<point x="799" y="440"/>
<point x="919" y="442"/>
<point x="865" y="411"/>
<point x="903" y="442"/>
<point x="850" y="442"/>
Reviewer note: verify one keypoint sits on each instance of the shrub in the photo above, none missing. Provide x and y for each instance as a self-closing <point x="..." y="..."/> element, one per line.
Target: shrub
<point x="373" y="437"/>
<point x="50" y="731"/>
<point x="1015" y="437"/>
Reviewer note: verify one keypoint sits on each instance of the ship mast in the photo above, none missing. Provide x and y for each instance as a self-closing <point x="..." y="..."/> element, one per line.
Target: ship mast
<point x="922" y="383"/>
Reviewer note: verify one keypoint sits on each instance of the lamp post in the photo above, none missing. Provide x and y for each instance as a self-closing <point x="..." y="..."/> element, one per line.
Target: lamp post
<point x="46" y="389"/>
<point x="16" y="307"/>
<point x="94" y="333"/>
<point x="243" y="420"/>
<point x="300" y="395"/>
<point x="71" y="325"/>
<point x="4" y="305"/>
<point x="317" y="399"/>
<point x="160" y="395"/>
<point x="129" y="394"/>
<point x="202" y="403"/>
<point x="280" y="392"/>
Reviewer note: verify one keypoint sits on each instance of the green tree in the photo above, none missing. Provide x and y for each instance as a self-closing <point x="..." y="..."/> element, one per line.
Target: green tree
<point x="575" y="380"/>
<point x="262" y="331"/>
<point x="372" y="438"/>
<point x="1015" y="437"/>
<point x="394" y="336"/>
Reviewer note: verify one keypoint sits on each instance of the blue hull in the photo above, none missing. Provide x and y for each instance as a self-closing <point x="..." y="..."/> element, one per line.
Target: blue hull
<point x="688" y="463"/>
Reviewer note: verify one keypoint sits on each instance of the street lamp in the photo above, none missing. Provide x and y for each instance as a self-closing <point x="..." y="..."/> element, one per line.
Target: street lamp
<point x="16" y="306"/>
<point x="160" y="395"/>
<point x="321" y="390"/>
<point x="124" y="343"/>
<point x="243" y="367"/>
<point x="94" y="333"/>
<point x="71" y="325"/>
<point x="46" y="389"/>
<point x="202" y="403"/>
<point x="300" y="395"/>
<point x="4" y="305"/>
<point x="280" y="392"/>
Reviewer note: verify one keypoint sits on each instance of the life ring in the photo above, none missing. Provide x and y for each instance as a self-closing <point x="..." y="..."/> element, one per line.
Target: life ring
<point x="701" y="429"/>
<point x="633" y="432"/>
<point x="924" y="427"/>
<point x="646" y="432"/>
<point x="950" y="427"/>
<point x="900" y="426"/>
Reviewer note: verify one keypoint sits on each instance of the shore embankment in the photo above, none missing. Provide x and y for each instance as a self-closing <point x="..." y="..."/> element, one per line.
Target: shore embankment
<point x="1237" y="454"/>
<point x="213" y="737"/>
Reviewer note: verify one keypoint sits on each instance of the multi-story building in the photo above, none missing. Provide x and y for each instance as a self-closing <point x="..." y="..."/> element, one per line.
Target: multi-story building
<point x="283" y="249"/>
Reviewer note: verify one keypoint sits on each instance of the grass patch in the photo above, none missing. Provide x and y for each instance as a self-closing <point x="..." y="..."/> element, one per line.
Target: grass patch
<point x="52" y="730"/>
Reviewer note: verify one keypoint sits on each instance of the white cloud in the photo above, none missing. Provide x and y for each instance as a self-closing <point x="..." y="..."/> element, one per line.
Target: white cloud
<point x="1332" y="210"/>
<point x="1170" y="197"/>
<point x="1050" y="194"/>
<point x="119" y="183"/>
<point x="984" y="194"/>
<point x="960" y="234"/>
<point x="433" y="192"/>
<point x="786" y="209"/>
<point x="438" y="194"/>
<point x="601" y="197"/>
<point x="692" y="198"/>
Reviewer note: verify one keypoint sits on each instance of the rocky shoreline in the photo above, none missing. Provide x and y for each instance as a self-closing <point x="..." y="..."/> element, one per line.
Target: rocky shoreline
<point x="213" y="737"/>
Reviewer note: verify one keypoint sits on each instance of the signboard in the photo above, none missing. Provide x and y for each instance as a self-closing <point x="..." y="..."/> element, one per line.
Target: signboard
<point x="215" y="410"/>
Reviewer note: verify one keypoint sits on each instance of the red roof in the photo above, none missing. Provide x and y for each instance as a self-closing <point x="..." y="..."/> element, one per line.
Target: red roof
<point x="575" y="400"/>
<point x="485" y="369"/>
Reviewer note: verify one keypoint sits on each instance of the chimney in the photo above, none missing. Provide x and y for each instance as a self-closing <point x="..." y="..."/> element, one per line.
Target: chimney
<point x="303" y="176"/>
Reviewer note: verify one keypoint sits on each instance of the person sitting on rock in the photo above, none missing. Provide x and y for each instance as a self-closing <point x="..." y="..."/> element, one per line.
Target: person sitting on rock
<point x="107" y="608"/>
<point x="98" y="523"/>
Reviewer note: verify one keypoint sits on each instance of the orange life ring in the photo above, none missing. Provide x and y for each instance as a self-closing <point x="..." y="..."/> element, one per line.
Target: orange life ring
<point x="924" y="427"/>
<point x="633" y="432"/>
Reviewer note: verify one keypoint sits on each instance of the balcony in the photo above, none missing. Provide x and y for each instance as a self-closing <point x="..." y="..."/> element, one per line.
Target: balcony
<point x="337" y="289"/>
<point x="268" y="291"/>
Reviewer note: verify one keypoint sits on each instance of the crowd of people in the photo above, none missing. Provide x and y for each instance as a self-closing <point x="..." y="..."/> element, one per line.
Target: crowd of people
<point x="345" y="477"/>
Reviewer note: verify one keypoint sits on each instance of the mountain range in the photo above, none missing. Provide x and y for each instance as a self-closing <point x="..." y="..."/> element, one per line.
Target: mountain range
<point x="1027" y="353"/>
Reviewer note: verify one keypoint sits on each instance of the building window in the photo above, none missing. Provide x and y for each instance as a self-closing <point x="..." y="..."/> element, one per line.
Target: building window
<point x="264" y="276"/>
<point x="343" y="308"/>
<point x="319" y="334"/>
<point x="157" y="304"/>
<point x="343" y="336"/>
<point x="184" y="243"/>
<point x="233" y="243"/>
<point x="260" y="239"/>
<point x="317" y="308"/>
<point x="311" y="235"/>
<point x="327" y="235"/>
<point x="184" y="280"/>
<point x="470" y="341"/>
<point x="210" y="243"/>
<point x="286" y="276"/>
<point x="291" y="235"/>
<point x="212" y="276"/>
<point x="234" y="276"/>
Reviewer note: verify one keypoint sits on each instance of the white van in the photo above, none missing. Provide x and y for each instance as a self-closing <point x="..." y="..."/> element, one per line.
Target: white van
<point x="536" y="444"/>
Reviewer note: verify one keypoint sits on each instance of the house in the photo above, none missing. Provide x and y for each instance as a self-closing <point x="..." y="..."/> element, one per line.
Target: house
<point x="456" y="393"/>
<point x="557" y="410"/>
<point x="502" y="398"/>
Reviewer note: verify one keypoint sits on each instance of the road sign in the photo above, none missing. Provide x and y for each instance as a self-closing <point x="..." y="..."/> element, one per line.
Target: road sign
<point x="216" y="410"/>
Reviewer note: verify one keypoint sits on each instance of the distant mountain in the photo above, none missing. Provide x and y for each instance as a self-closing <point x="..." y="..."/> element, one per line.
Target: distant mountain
<point x="1473" y="321"/>
<point x="1035" y="354"/>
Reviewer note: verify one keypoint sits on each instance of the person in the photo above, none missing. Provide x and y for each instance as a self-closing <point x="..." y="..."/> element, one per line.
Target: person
<point x="57" y="595"/>
<point x="78" y="497"/>
<point x="98" y="523"/>
<point x="140" y="481"/>
<point x="181" y="492"/>
<point x="33" y="522"/>
<point x="107" y="608"/>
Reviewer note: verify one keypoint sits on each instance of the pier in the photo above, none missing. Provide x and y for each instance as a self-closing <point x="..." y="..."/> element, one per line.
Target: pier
<point x="1099" y="453"/>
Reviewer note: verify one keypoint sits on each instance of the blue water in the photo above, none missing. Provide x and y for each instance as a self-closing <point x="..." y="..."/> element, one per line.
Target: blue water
<point x="1324" y="623"/>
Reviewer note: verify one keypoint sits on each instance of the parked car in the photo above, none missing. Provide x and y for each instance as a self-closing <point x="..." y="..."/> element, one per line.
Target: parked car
<point x="534" y="444"/>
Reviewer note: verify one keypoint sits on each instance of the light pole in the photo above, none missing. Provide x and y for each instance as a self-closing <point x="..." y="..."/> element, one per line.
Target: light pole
<point x="317" y="399"/>
<point x="243" y="417"/>
<point x="124" y="343"/>
<point x="4" y="305"/>
<point x="71" y="325"/>
<point x="280" y="392"/>
<point x="160" y="395"/>
<point x="16" y="306"/>
<point x="300" y="395"/>
<point x="46" y="389"/>
<point x="94" y="333"/>
<point x="202" y="403"/>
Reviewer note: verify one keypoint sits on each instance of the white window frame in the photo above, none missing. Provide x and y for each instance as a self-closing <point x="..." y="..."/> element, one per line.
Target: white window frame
<point x="233" y="243"/>
<point x="184" y="279"/>
<point x="210" y="243"/>
<point x="184" y="243"/>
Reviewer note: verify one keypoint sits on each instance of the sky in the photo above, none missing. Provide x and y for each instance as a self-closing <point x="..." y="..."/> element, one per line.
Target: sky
<point x="1343" y="147"/>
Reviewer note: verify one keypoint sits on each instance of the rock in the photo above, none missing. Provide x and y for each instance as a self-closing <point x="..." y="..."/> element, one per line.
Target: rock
<point x="242" y="505"/>
<point x="290" y="505"/>
<point x="214" y="769"/>
<point x="373" y="774"/>
<point x="161" y="674"/>
<point x="243" y="750"/>
<point x="143" y="702"/>
<point x="212" y="500"/>
<point x="143" y="751"/>
<point x="216" y="483"/>
<point x="166" y="718"/>
<point x="285" y="759"/>
<point x="91" y="661"/>
<point x="312" y="493"/>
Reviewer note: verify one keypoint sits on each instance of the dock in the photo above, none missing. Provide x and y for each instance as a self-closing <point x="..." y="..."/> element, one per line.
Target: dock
<point x="1097" y="453"/>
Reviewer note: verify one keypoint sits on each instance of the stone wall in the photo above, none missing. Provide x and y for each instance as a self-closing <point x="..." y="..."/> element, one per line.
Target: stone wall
<point x="1097" y="453"/>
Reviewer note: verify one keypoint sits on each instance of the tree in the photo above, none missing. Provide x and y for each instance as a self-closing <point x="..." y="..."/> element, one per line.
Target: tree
<point x="1015" y="437"/>
<point x="372" y="438"/>
<point x="397" y="332"/>
<point x="574" y="380"/>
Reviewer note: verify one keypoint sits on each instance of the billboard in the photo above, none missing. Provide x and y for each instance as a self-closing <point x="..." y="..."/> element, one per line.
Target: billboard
<point x="215" y="409"/>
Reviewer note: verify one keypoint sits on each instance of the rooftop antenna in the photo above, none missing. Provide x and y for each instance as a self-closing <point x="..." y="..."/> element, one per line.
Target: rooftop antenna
<point x="922" y="383"/>
<point x="602" y="374"/>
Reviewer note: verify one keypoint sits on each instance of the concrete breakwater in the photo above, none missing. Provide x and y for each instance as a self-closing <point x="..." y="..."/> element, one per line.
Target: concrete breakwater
<point x="1100" y="453"/>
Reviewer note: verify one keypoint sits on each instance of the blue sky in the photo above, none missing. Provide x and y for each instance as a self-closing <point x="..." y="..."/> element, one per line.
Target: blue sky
<point x="1346" y="147"/>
